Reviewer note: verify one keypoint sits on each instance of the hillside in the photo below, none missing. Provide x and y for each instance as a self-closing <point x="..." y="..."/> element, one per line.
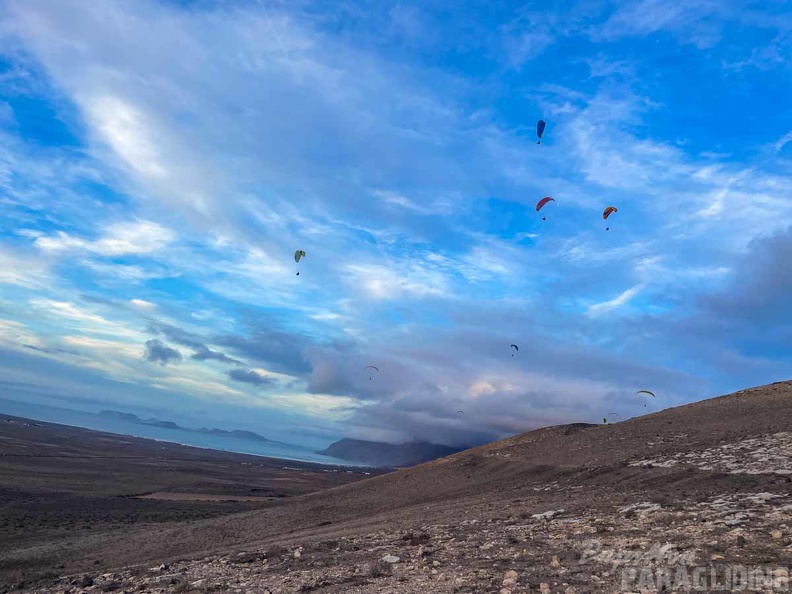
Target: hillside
<point x="711" y="478"/>
<point x="378" y="454"/>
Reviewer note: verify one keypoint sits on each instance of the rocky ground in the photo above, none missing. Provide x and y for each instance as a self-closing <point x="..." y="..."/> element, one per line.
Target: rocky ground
<point x="692" y="494"/>
<point x="555" y="551"/>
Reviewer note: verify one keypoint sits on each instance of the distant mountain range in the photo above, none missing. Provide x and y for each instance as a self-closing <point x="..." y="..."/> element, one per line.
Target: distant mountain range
<point x="387" y="455"/>
<point x="130" y="418"/>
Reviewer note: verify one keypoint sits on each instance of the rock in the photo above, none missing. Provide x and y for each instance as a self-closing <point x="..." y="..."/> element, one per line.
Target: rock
<point x="509" y="582"/>
<point x="570" y="590"/>
<point x="776" y="534"/>
<point x="86" y="582"/>
<point x="505" y="591"/>
<point x="297" y="554"/>
<point x="554" y="562"/>
<point x="544" y="587"/>
<point x="435" y="563"/>
<point x="547" y="515"/>
<point x="717" y="557"/>
<point x="741" y="541"/>
<point x="390" y="559"/>
<point x="425" y="551"/>
<point x="164" y="567"/>
<point x="510" y="575"/>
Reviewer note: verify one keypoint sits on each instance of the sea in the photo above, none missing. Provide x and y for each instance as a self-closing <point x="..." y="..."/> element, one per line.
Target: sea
<point x="87" y="420"/>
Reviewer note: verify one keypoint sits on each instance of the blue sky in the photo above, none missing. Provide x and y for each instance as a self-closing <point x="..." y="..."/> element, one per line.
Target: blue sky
<point x="160" y="162"/>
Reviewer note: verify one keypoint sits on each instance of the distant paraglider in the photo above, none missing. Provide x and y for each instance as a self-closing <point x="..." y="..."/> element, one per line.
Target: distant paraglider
<point x="607" y="212"/>
<point x="542" y="202"/>
<point x="297" y="256"/>
<point x="516" y="348"/>
<point x="460" y="413"/>
<point x="645" y="392"/>
<point x="372" y="367"/>
<point x="540" y="128"/>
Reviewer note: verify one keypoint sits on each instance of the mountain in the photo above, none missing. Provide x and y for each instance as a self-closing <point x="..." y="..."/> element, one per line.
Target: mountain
<point x="238" y="433"/>
<point x="131" y="418"/>
<point x="578" y="508"/>
<point x="386" y="455"/>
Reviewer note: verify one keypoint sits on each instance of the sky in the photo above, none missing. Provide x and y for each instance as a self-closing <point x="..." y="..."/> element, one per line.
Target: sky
<point x="162" y="160"/>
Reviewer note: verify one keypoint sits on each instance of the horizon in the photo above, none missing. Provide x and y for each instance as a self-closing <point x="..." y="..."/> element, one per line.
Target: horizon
<point x="162" y="161"/>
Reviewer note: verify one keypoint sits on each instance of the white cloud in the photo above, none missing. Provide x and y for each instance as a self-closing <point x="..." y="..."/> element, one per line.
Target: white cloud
<point x="140" y="237"/>
<point x="480" y="388"/>
<point x="17" y="268"/>
<point x="782" y="142"/>
<point x="126" y="129"/>
<point x="142" y="304"/>
<point x="380" y="282"/>
<point x="600" y="308"/>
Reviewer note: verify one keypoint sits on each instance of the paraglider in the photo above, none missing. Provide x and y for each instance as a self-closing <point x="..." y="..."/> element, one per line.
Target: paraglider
<point x="542" y="202"/>
<point x="372" y="367"/>
<point x="645" y="392"/>
<point x="607" y="212"/>
<point x="297" y="256"/>
<point x="516" y="348"/>
<point x="460" y="413"/>
<point x="540" y="128"/>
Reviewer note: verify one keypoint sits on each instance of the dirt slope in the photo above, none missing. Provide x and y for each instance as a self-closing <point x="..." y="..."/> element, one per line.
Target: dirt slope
<point x="678" y="473"/>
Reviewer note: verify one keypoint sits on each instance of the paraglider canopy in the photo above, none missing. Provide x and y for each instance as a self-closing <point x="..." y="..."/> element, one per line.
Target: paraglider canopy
<point x="540" y="128"/>
<point x="646" y="392"/>
<point x="542" y="202"/>
<point x="461" y="413"/>
<point x="516" y="348"/>
<point x="299" y="254"/>
<point x="372" y="367"/>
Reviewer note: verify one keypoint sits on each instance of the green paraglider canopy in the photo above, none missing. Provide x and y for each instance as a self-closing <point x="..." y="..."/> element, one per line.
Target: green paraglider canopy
<point x="299" y="254"/>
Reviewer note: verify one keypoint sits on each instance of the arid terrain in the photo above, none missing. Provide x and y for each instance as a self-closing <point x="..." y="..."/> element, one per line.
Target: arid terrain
<point x="552" y="510"/>
<point x="60" y="485"/>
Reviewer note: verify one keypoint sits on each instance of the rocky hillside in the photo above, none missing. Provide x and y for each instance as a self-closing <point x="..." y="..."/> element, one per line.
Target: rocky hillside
<point x="563" y="509"/>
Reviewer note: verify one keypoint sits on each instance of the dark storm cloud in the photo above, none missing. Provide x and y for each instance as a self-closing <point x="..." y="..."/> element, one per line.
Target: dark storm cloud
<point x="762" y="284"/>
<point x="158" y="352"/>
<point x="177" y="335"/>
<point x="204" y="353"/>
<point x="191" y="340"/>
<point x="270" y="342"/>
<point x="248" y="376"/>
<point x="49" y="350"/>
